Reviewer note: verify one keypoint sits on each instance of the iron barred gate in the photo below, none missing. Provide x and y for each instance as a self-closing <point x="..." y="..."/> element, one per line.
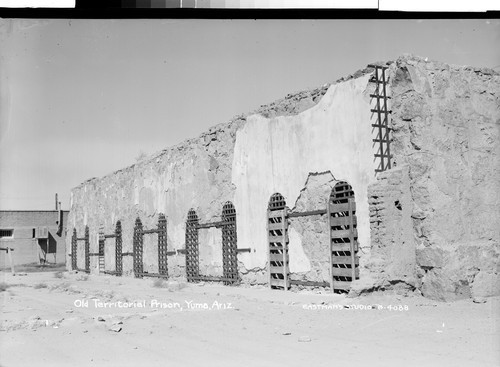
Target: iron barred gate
<point x="342" y="224"/>
<point x="229" y="243"/>
<point x="192" y="252"/>
<point x="138" y="248"/>
<point x="118" y="249"/>
<point x="117" y="235"/>
<point x="342" y="233"/>
<point x="138" y="244"/>
<point x="277" y="230"/>
<point x="74" y="250"/>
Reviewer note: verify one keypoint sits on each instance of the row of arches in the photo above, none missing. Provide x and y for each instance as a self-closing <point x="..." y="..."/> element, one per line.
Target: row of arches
<point x="229" y="247"/>
<point x="341" y="226"/>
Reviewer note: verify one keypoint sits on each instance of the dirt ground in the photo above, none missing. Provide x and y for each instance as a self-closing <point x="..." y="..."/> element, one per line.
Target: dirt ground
<point x="72" y="319"/>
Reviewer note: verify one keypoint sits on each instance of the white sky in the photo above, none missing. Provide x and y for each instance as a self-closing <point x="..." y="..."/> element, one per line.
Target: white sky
<point x="82" y="98"/>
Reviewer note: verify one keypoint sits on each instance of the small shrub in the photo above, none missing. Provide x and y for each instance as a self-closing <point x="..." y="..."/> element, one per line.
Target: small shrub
<point x="59" y="275"/>
<point x="40" y="286"/>
<point x="4" y="286"/>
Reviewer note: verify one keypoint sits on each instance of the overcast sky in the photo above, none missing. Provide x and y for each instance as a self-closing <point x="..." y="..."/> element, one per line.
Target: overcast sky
<point x="83" y="98"/>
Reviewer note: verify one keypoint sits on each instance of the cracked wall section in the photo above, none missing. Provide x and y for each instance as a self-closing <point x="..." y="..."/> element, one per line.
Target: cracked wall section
<point x="392" y="261"/>
<point x="446" y="128"/>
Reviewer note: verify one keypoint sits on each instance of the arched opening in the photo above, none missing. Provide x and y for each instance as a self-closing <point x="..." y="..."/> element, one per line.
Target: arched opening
<point x="277" y="231"/>
<point x="343" y="237"/>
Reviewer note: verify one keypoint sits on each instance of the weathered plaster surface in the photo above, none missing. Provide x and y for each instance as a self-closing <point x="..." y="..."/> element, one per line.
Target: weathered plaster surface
<point x="277" y="155"/>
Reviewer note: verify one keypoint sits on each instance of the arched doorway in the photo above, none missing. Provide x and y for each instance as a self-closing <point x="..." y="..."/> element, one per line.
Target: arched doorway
<point x="229" y="243"/>
<point x="343" y="237"/>
<point x="192" y="251"/>
<point x="277" y="231"/>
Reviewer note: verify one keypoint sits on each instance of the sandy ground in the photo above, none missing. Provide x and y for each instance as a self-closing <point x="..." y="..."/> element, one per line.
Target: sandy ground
<point x="76" y="320"/>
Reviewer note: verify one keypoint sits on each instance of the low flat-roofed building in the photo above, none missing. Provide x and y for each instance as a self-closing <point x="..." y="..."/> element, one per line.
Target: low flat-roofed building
<point x="36" y="236"/>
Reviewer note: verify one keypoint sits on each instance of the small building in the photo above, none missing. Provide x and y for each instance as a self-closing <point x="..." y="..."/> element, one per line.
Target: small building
<point x="36" y="236"/>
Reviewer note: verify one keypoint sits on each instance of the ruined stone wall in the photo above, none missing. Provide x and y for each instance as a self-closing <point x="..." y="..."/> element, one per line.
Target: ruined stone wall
<point x="431" y="223"/>
<point x="446" y="123"/>
<point x="244" y="161"/>
<point x="392" y="262"/>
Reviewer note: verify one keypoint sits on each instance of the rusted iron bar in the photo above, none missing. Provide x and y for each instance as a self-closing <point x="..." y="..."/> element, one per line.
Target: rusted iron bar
<point x="308" y="213"/>
<point x="149" y="231"/>
<point x="154" y="275"/>
<point x="211" y="224"/>
<point x="212" y="279"/>
<point x="310" y="283"/>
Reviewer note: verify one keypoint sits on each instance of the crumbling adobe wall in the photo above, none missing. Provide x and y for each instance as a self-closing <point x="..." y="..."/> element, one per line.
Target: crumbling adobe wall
<point x="278" y="154"/>
<point x="244" y="161"/>
<point x="446" y="122"/>
<point x="392" y="257"/>
<point x="311" y="230"/>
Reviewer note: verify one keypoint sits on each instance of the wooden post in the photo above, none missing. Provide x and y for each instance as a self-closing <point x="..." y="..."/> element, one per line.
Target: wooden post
<point x="329" y="231"/>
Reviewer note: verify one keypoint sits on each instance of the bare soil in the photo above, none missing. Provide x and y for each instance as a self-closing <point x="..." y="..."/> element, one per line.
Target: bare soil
<point x="80" y="320"/>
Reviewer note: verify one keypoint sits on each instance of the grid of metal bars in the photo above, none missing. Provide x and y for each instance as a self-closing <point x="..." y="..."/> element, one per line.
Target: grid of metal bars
<point x="277" y="230"/>
<point x="102" y="241"/>
<point x="118" y="249"/>
<point x="74" y="250"/>
<point x="382" y="141"/>
<point x="138" y="244"/>
<point x="87" y="249"/>
<point x="344" y="261"/>
<point x="192" y="251"/>
<point x="229" y="243"/>
<point x="117" y="235"/>
<point x="162" y="245"/>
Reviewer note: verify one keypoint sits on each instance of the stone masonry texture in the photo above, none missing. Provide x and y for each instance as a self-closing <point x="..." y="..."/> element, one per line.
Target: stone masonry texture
<point x="446" y="122"/>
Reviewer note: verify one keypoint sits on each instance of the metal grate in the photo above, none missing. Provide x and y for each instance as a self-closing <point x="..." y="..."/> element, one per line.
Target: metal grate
<point x="229" y="243"/>
<point x="277" y="230"/>
<point x="74" y="250"/>
<point x="382" y="140"/>
<point x="277" y="202"/>
<point x="162" y="245"/>
<point x="138" y="249"/>
<point x="102" y="241"/>
<point x="118" y="248"/>
<point x="87" y="250"/>
<point x="343" y="237"/>
<point x="192" y="252"/>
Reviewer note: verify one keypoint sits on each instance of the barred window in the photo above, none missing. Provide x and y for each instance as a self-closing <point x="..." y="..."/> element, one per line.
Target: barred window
<point x="6" y="233"/>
